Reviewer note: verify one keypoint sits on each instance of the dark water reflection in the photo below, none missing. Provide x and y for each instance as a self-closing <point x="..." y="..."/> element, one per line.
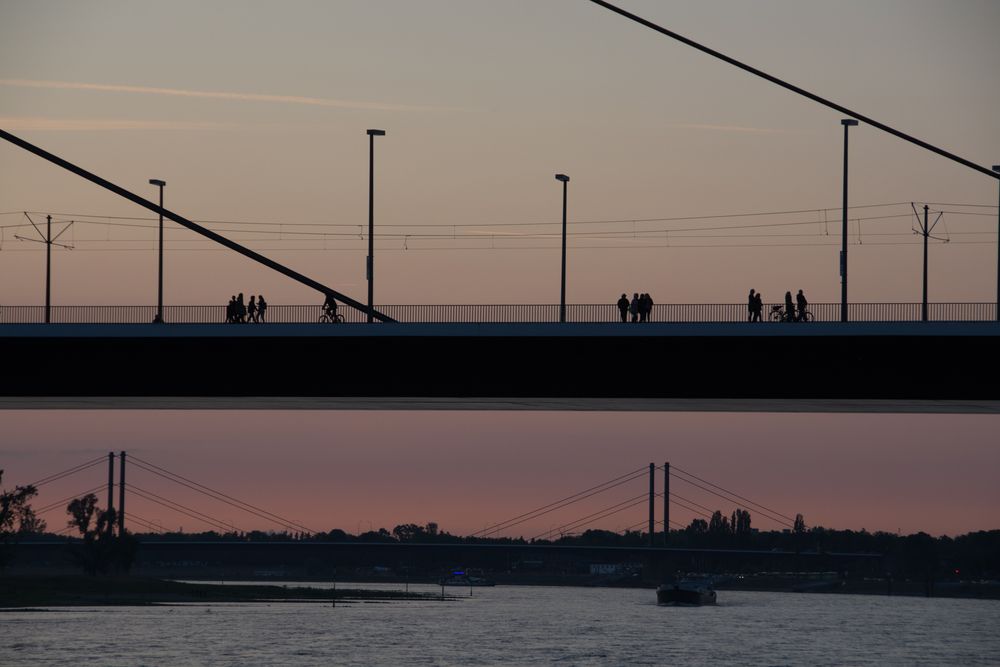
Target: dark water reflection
<point x="518" y="625"/>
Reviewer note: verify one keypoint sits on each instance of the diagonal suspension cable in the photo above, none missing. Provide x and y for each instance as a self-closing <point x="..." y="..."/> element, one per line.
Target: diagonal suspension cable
<point x="177" y="507"/>
<point x="69" y="471"/>
<point x="795" y="89"/>
<point x="218" y="495"/>
<point x="559" y="504"/>
<point x="195" y="227"/>
<point x="732" y="493"/>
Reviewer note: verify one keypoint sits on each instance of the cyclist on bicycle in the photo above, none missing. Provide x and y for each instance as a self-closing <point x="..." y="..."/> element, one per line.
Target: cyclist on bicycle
<point x="330" y="307"/>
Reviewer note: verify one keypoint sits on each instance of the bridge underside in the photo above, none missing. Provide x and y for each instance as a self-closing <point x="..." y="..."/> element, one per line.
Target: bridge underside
<point x="928" y="367"/>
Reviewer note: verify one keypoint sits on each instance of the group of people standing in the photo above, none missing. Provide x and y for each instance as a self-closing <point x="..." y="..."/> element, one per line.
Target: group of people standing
<point x="639" y="308"/>
<point x="793" y="312"/>
<point x="238" y="312"/>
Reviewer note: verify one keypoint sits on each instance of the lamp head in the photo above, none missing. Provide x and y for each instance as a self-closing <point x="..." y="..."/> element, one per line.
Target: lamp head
<point x="376" y="133"/>
<point x="562" y="177"/>
<point x="156" y="181"/>
<point x="849" y="122"/>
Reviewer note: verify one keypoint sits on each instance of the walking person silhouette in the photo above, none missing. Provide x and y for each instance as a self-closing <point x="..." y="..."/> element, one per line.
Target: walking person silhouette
<point x="789" y="308"/>
<point x="800" y="301"/>
<point x="751" y="307"/>
<point x="252" y="310"/>
<point x="623" y="307"/>
<point x="261" y="307"/>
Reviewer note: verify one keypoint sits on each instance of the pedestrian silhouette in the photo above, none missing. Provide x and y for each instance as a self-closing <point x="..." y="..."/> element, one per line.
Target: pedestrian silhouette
<point x="649" y="307"/>
<point x="252" y="310"/>
<point x="261" y="307"/>
<point x="623" y="307"/>
<point x="800" y="301"/>
<point x="789" y="308"/>
<point x="241" y="309"/>
<point x="633" y="307"/>
<point x="758" y="303"/>
<point x="231" y="310"/>
<point x="751" y="306"/>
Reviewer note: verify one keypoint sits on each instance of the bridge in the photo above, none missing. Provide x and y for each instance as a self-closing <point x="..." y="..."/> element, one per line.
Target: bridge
<point x="731" y="366"/>
<point x="678" y="495"/>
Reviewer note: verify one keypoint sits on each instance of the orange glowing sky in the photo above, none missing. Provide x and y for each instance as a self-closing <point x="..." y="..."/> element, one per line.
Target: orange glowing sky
<point x="256" y="113"/>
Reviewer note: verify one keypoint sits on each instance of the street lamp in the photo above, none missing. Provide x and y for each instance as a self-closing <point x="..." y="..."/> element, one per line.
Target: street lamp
<point x="847" y="123"/>
<point x="370" y="267"/>
<point x="562" y="291"/>
<point x="996" y="168"/>
<point x="159" y="285"/>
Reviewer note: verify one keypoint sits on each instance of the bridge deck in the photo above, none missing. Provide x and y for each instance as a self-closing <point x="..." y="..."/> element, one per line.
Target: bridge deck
<point x="937" y="366"/>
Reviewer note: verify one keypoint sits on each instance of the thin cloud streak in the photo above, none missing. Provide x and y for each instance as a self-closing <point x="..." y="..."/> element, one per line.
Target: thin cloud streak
<point x="40" y="124"/>
<point x="218" y="95"/>
<point x="731" y="128"/>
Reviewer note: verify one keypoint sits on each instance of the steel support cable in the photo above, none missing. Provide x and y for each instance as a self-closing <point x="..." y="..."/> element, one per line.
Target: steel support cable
<point x="184" y="222"/>
<point x="589" y="517"/>
<point x="795" y="89"/>
<point x="145" y="523"/>
<point x="685" y="472"/>
<point x="218" y="495"/>
<point x="244" y="509"/>
<point x="52" y="506"/>
<point x="691" y="502"/>
<point x="70" y="471"/>
<point x="692" y="510"/>
<point x="779" y="521"/>
<point x="610" y="511"/>
<point x="568" y="500"/>
<point x="565" y="502"/>
<point x="177" y="507"/>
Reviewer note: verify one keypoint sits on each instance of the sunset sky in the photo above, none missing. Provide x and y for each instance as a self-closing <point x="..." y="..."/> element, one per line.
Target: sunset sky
<point x="255" y="114"/>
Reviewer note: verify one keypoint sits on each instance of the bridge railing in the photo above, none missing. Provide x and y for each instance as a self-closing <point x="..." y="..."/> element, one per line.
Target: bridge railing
<point x="499" y="313"/>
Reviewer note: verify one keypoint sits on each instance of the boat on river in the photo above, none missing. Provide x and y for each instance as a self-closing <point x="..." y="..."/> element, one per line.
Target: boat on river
<point x="686" y="592"/>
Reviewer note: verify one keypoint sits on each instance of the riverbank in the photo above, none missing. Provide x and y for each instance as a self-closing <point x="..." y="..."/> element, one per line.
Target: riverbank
<point x="44" y="591"/>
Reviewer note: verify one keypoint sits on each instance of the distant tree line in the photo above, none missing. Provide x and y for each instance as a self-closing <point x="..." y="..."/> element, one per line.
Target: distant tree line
<point x="99" y="548"/>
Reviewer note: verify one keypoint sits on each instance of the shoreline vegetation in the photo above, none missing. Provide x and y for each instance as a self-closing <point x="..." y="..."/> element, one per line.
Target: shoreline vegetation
<point x="20" y="592"/>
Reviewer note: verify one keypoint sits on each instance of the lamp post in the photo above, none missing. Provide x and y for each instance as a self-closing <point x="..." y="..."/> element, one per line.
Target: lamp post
<point x="847" y="123"/>
<point x="996" y="168"/>
<point x="159" y="283"/>
<point x="371" y="220"/>
<point x="562" y="290"/>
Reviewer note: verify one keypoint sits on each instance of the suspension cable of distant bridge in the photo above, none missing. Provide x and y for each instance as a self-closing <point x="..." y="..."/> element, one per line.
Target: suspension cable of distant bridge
<point x="69" y="471"/>
<point x="564" y="502"/>
<point x="796" y="89"/>
<point x="62" y="503"/>
<point x="218" y="524"/>
<point x="604" y="513"/>
<point x="760" y="508"/>
<point x="218" y="495"/>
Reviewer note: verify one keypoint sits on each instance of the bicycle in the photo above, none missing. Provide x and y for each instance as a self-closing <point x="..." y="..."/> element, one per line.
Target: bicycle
<point x="778" y="315"/>
<point x="328" y="318"/>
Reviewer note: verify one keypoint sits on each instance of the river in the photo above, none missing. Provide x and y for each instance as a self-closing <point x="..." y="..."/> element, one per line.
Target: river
<point x="518" y="625"/>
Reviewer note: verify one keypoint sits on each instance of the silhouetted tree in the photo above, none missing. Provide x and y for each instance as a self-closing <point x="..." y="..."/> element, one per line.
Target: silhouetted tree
<point x="718" y="524"/>
<point x="102" y="551"/>
<point x="800" y="524"/>
<point x="16" y="518"/>
<point x="697" y="527"/>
